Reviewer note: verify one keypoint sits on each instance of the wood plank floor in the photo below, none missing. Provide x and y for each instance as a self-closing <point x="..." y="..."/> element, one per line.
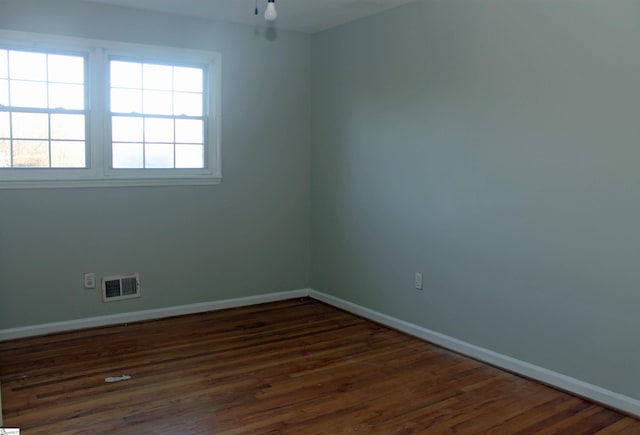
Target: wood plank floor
<point x="292" y="367"/>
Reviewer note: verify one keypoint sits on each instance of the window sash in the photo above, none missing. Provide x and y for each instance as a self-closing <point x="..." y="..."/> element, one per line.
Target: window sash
<point x="45" y="138"/>
<point x="138" y="78"/>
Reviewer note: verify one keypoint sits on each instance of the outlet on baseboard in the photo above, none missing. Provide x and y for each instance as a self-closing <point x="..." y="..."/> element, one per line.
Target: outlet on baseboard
<point x="89" y="280"/>
<point x="418" y="281"/>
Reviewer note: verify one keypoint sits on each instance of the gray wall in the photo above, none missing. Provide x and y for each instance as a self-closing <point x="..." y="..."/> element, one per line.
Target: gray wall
<point x="494" y="146"/>
<point x="246" y="236"/>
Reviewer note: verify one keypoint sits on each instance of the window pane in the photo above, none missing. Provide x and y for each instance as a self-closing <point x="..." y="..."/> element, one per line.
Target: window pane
<point x="67" y="126"/>
<point x="66" y="69"/>
<point x="187" y="79"/>
<point x="187" y="104"/>
<point x="126" y="74"/>
<point x="158" y="156"/>
<point x="28" y="94"/>
<point x="4" y="92"/>
<point x="158" y="130"/>
<point x="125" y="129"/>
<point x="127" y="155"/>
<point x="30" y="125"/>
<point x="67" y="154"/>
<point x="189" y="131"/>
<point x="27" y="66"/>
<point x="126" y="101"/>
<point x="189" y="156"/>
<point x="161" y="93"/>
<point x="31" y="154"/>
<point x="66" y="96"/>
<point x="157" y="77"/>
<point x="157" y="103"/>
<point x="4" y="66"/>
<point x="5" y="154"/>
<point x="5" y="130"/>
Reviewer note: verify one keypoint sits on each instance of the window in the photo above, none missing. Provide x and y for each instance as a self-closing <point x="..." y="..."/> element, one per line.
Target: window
<point x="157" y="116"/>
<point x="94" y="113"/>
<point x="42" y="110"/>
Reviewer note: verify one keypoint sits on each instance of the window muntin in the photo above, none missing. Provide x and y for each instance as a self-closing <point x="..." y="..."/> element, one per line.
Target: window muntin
<point x="157" y="115"/>
<point x="42" y="110"/>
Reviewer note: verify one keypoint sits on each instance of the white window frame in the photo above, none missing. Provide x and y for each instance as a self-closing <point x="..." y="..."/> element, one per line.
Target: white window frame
<point x="99" y="172"/>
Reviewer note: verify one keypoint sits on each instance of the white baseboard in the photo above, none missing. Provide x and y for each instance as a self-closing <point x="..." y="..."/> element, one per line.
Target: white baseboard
<point x="591" y="392"/>
<point x="115" y="319"/>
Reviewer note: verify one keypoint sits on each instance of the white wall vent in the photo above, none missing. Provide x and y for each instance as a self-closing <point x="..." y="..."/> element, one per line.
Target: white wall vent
<point x="120" y="287"/>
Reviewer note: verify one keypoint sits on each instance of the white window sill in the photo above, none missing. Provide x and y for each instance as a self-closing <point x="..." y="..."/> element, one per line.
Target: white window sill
<point x="115" y="182"/>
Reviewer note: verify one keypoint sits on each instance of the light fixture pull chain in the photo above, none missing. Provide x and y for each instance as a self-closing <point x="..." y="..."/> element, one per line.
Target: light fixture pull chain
<point x="256" y="11"/>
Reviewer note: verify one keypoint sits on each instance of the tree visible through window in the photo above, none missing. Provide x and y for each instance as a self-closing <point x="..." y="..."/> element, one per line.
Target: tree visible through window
<point x="76" y="112"/>
<point x="42" y="110"/>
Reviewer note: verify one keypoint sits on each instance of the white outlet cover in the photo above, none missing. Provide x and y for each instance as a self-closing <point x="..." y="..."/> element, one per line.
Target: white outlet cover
<point x="418" y="281"/>
<point x="89" y="280"/>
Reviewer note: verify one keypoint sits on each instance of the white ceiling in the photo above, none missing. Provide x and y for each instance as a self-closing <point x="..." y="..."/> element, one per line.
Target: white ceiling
<point x="306" y="16"/>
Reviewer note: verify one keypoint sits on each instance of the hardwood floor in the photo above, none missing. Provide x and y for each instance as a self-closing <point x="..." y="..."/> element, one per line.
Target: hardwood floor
<point x="297" y="366"/>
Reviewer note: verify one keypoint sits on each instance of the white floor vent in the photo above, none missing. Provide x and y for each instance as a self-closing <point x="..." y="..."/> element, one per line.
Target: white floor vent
<point x="120" y="287"/>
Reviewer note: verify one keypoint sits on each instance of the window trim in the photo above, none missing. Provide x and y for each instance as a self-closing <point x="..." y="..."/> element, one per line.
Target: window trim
<point x="99" y="172"/>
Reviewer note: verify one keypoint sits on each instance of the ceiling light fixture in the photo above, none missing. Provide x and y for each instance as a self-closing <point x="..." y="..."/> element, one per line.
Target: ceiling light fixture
<point x="270" y="14"/>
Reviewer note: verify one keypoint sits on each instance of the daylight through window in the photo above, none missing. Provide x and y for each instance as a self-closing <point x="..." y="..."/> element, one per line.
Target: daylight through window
<point x="157" y="115"/>
<point x="42" y="110"/>
<point x="77" y="112"/>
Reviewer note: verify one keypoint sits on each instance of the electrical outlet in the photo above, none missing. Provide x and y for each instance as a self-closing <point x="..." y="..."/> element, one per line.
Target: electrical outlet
<point x="89" y="280"/>
<point x="418" y="281"/>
